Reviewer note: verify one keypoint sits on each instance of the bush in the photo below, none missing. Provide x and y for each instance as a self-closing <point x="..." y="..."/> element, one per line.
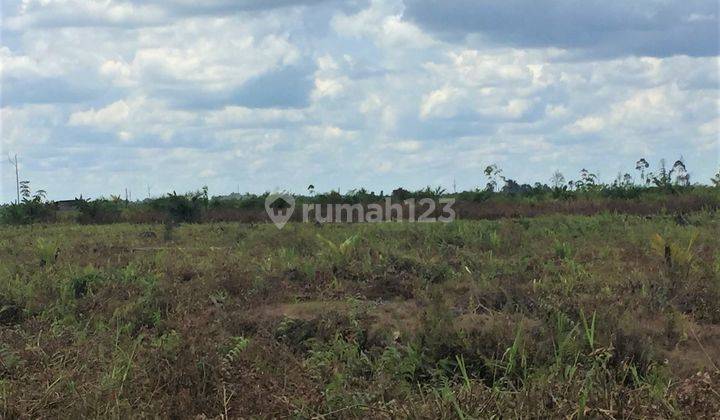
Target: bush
<point x="624" y="192"/>
<point x="31" y="211"/>
<point x="476" y="196"/>
<point x="98" y="211"/>
<point x="182" y="208"/>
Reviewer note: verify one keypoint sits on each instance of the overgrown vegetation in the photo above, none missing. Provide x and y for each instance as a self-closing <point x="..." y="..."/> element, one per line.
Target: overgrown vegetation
<point x="33" y="207"/>
<point x="611" y="315"/>
<point x="649" y="192"/>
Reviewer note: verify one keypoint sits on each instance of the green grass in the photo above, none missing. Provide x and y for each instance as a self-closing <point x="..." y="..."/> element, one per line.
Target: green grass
<point x="551" y="316"/>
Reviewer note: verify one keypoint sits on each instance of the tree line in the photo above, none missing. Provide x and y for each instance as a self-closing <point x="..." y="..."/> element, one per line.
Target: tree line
<point x="33" y="206"/>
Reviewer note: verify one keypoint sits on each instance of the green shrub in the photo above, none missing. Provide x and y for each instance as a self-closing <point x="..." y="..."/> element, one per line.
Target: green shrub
<point x="98" y="211"/>
<point x="182" y="208"/>
<point x="32" y="211"/>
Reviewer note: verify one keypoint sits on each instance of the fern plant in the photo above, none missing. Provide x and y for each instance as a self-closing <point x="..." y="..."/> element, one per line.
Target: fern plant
<point x="232" y="355"/>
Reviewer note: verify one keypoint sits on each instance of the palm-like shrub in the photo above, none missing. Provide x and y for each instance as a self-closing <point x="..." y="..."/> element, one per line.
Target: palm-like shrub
<point x="33" y="207"/>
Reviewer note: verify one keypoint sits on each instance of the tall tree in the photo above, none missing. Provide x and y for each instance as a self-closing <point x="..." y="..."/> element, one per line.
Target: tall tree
<point x="14" y="162"/>
<point x="557" y="180"/>
<point x="716" y="179"/>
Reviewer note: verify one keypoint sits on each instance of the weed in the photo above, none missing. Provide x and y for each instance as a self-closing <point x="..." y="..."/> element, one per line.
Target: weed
<point x="9" y="361"/>
<point x="84" y="284"/>
<point x="339" y="250"/>
<point x="219" y="297"/>
<point x="463" y="371"/>
<point x="514" y="358"/>
<point x="47" y="251"/>
<point x="168" y="343"/>
<point x="494" y="239"/>
<point x="169" y="229"/>
<point x="237" y="345"/>
<point x="563" y="250"/>
<point x="589" y="329"/>
<point x="675" y="254"/>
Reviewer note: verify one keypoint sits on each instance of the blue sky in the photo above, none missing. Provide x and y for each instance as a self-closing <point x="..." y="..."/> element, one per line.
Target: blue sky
<point x="256" y="95"/>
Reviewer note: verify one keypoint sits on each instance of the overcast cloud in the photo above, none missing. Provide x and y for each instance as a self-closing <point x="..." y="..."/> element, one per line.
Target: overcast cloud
<point x="256" y="95"/>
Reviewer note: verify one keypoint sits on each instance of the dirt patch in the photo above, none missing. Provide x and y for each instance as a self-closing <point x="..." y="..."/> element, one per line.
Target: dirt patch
<point x="302" y="310"/>
<point x="699" y="351"/>
<point x="267" y="378"/>
<point x="400" y="285"/>
<point x="380" y="324"/>
<point x="699" y="395"/>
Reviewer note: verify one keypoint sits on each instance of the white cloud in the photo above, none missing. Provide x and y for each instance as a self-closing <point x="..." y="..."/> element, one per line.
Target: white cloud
<point x="233" y="116"/>
<point x="208" y="173"/>
<point x="112" y="115"/>
<point x="135" y="118"/>
<point x="116" y="70"/>
<point x="15" y="65"/>
<point x="406" y="146"/>
<point x="440" y="103"/>
<point x="587" y="125"/>
<point x="710" y="128"/>
<point x="649" y="106"/>
<point x="244" y="92"/>
<point x="27" y="126"/>
<point x="325" y="133"/>
<point x="327" y="87"/>
<point x="54" y="13"/>
<point x="379" y="113"/>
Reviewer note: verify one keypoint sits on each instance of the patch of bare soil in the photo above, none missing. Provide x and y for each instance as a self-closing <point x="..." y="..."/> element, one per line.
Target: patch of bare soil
<point x="700" y="351"/>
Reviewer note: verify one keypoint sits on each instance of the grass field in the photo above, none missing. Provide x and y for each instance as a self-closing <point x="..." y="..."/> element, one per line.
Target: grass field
<point x="600" y="316"/>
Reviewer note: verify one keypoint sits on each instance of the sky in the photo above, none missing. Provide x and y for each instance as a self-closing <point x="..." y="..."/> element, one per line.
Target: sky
<point x="265" y="95"/>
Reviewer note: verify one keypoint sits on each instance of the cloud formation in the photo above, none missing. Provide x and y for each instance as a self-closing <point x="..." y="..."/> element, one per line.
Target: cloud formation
<point x="259" y="95"/>
<point x="598" y="27"/>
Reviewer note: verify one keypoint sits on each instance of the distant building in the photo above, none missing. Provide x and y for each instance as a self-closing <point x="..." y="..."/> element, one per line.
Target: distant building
<point x="66" y="205"/>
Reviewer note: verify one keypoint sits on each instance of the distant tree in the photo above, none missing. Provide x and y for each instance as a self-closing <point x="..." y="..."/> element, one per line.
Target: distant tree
<point x="365" y="196"/>
<point x="642" y="165"/>
<point x="14" y="162"/>
<point x="32" y="207"/>
<point x="587" y="181"/>
<point x="436" y="192"/>
<point x="623" y="180"/>
<point x="677" y="175"/>
<point x="557" y="180"/>
<point x="512" y="187"/>
<point x="25" y="190"/>
<point x="493" y="174"/>
<point x="682" y="176"/>
<point x="663" y="179"/>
